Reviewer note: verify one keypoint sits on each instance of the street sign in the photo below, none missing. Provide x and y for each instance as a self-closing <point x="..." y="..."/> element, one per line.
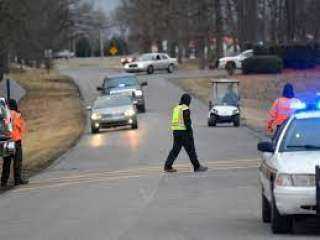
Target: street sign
<point x="113" y="50"/>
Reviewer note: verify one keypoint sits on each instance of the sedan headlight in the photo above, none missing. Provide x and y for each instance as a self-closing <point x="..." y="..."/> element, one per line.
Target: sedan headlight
<point x="96" y="116"/>
<point x="130" y="113"/>
<point x="138" y="93"/>
<point x="296" y="180"/>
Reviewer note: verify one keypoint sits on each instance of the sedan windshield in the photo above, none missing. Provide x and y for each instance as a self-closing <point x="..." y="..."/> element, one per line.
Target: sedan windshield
<point x="302" y="135"/>
<point x="121" y="82"/>
<point x="110" y="102"/>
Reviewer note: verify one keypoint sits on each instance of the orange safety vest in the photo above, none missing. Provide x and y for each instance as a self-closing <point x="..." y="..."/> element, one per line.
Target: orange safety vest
<point x="280" y="111"/>
<point x="18" y="125"/>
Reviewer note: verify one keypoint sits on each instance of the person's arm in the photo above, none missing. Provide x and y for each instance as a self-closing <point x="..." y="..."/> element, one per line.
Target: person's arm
<point x="187" y="120"/>
<point x="272" y="116"/>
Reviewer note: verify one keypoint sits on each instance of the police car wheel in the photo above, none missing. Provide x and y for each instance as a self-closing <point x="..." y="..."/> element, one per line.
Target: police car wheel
<point x="279" y="223"/>
<point x="266" y="210"/>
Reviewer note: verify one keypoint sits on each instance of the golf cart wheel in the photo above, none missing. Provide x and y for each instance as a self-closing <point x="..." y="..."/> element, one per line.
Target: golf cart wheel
<point x="279" y="223"/>
<point x="212" y="122"/>
<point x="94" y="130"/>
<point x="170" y="68"/>
<point x="266" y="210"/>
<point x="150" y="70"/>
<point x="142" y="108"/>
<point x="236" y="121"/>
<point x="230" y="68"/>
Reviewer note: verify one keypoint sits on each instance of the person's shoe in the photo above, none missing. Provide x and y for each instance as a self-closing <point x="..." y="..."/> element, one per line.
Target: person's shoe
<point x="170" y="170"/>
<point x="21" y="182"/>
<point x="201" y="169"/>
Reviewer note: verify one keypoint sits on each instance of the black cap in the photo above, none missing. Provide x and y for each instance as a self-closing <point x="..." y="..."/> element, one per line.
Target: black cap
<point x="185" y="99"/>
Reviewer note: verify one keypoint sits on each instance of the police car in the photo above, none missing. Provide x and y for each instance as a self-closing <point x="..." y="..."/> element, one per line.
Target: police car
<point x="289" y="173"/>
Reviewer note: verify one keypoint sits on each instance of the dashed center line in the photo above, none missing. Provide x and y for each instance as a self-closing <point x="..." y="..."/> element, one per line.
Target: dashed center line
<point x="111" y="176"/>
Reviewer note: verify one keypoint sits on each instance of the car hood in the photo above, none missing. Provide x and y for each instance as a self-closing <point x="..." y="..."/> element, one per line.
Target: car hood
<point x="299" y="162"/>
<point x="123" y="90"/>
<point x="112" y="110"/>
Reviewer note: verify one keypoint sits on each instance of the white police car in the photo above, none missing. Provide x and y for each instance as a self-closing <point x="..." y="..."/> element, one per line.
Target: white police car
<point x="289" y="172"/>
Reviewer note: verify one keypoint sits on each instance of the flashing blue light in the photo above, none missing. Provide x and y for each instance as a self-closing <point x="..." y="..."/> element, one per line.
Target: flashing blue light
<point x="318" y="105"/>
<point x="299" y="105"/>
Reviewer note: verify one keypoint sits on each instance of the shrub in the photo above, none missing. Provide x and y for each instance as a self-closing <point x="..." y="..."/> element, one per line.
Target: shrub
<point x="262" y="64"/>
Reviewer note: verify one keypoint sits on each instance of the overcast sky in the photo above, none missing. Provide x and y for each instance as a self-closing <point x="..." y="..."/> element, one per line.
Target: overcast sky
<point x="107" y="5"/>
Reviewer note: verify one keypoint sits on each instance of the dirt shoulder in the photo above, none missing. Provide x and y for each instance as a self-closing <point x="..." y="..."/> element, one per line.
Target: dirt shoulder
<point x="257" y="91"/>
<point x="54" y="116"/>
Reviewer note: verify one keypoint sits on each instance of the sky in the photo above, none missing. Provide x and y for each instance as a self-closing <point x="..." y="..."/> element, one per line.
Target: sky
<point x="107" y="5"/>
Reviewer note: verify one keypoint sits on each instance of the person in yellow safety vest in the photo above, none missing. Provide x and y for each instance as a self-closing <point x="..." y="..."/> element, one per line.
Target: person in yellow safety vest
<point x="183" y="136"/>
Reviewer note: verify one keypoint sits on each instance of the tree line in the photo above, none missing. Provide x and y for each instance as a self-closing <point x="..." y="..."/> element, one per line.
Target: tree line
<point x="30" y="30"/>
<point x="204" y="22"/>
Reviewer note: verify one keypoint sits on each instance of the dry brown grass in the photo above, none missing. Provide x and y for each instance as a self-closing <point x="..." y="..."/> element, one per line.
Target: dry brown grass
<point x="107" y="62"/>
<point x="257" y="91"/>
<point x="54" y="116"/>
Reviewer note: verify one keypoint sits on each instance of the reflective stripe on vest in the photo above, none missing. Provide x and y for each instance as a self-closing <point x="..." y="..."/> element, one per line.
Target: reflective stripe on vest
<point x="177" y="123"/>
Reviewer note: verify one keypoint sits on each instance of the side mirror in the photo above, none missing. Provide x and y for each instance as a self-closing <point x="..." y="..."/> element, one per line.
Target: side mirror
<point x="210" y="105"/>
<point x="144" y="84"/>
<point x="265" y="147"/>
<point x="100" y="89"/>
<point x="88" y="108"/>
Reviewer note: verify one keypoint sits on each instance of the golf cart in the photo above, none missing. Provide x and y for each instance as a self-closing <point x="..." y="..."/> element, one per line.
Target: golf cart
<point x="225" y="104"/>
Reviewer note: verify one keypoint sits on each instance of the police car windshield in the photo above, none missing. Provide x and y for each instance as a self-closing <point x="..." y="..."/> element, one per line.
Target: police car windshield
<point x="121" y="82"/>
<point x="110" y="102"/>
<point x="302" y="135"/>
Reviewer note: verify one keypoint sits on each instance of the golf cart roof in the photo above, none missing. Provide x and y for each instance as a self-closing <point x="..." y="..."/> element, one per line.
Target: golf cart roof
<point x="224" y="80"/>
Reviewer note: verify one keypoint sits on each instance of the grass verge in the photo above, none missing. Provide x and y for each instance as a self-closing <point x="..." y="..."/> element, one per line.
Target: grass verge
<point x="54" y="116"/>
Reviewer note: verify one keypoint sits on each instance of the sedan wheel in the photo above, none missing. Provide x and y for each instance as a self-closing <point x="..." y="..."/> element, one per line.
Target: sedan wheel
<point x="170" y="68"/>
<point x="150" y="70"/>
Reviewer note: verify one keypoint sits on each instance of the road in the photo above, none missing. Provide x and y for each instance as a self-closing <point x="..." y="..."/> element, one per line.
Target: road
<point x="111" y="185"/>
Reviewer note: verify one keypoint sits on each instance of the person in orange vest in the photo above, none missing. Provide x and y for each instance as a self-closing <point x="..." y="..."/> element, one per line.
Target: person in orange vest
<point x="18" y="125"/>
<point x="281" y="110"/>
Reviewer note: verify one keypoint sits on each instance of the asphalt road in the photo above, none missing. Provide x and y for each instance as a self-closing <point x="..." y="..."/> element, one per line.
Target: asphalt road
<point x="111" y="185"/>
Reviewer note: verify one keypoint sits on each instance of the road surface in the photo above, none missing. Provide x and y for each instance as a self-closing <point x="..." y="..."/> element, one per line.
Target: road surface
<point x="111" y="185"/>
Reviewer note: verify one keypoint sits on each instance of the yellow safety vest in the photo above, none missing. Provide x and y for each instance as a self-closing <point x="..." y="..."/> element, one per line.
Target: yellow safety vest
<point x="177" y="123"/>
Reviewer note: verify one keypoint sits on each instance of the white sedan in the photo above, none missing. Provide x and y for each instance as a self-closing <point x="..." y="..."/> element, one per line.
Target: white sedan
<point x="151" y="62"/>
<point x="289" y="179"/>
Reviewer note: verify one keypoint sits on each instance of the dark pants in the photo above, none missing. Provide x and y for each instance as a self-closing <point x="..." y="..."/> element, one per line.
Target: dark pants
<point x="185" y="140"/>
<point x="17" y="165"/>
